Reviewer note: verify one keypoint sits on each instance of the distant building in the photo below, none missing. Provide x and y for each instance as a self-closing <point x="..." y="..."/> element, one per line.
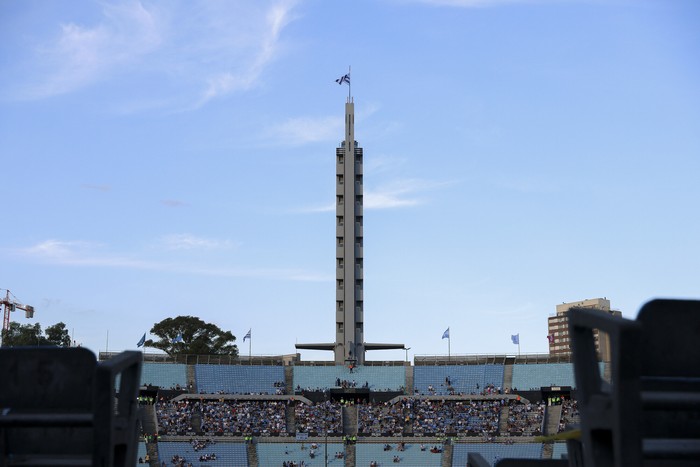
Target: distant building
<point x="558" y="328"/>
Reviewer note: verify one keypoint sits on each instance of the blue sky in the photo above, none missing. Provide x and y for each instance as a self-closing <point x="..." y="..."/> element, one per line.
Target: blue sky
<point x="165" y="158"/>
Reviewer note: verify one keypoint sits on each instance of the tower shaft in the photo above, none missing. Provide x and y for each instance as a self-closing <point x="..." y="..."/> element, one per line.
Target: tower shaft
<point x="349" y="335"/>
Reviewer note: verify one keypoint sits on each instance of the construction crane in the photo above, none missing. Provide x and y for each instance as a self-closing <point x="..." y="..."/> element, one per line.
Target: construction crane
<point x="10" y="304"/>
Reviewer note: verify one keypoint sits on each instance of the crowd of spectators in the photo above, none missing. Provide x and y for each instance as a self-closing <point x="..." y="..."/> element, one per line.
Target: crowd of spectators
<point x="317" y="418"/>
<point x="237" y="416"/>
<point x="223" y="416"/>
<point x="422" y="416"/>
<point x="569" y="414"/>
<point x="446" y="388"/>
<point x="525" y="419"/>
<point x="174" y="417"/>
<point x="383" y="417"/>
<point x="470" y="418"/>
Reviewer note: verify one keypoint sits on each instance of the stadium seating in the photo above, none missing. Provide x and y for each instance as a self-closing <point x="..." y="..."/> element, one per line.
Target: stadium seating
<point x="492" y="452"/>
<point x="538" y="375"/>
<point x="238" y="379"/>
<point x="465" y="379"/>
<point x="388" y="378"/>
<point x="559" y="450"/>
<point x="164" y="375"/>
<point x="141" y="452"/>
<point x="411" y="456"/>
<point x="273" y="454"/>
<point x="227" y="454"/>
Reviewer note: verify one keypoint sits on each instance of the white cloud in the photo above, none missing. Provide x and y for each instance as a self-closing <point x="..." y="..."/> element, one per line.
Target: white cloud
<point x="242" y="78"/>
<point x="81" y="55"/>
<point x="85" y="254"/>
<point x="195" y="50"/>
<point x="304" y="130"/>
<point x="400" y="193"/>
<point x="475" y="3"/>
<point x="191" y="242"/>
<point x="396" y="194"/>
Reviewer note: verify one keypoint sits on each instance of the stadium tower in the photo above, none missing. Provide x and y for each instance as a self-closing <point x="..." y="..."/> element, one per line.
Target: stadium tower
<point x="349" y="346"/>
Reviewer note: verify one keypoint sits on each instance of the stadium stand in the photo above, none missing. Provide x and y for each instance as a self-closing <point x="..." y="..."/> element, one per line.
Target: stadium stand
<point x="211" y="455"/>
<point x="410" y="456"/>
<point x="558" y="450"/>
<point x="239" y="379"/>
<point x="493" y="452"/>
<point x="317" y="418"/>
<point x="164" y="375"/>
<point x="376" y="378"/>
<point x="536" y="376"/>
<point x="274" y="454"/>
<point x="458" y="379"/>
<point x="260" y="417"/>
<point x="141" y="454"/>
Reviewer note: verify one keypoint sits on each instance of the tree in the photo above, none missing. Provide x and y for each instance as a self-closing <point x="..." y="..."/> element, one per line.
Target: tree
<point x="30" y="334"/>
<point x="189" y="335"/>
<point x="58" y="335"/>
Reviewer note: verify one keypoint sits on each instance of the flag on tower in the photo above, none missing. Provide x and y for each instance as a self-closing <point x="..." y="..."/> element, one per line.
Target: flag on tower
<point x="247" y="336"/>
<point x="515" y="338"/>
<point x="344" y="79"/>
<point x="446" y="334"/>
<point x="141" y="341"/>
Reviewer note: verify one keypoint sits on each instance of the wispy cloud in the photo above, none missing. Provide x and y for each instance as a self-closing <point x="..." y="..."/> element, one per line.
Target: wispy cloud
<point x="476" y="3"/>
<point x="82" y="55"/>
<point x="242" y="78"/>
<point x="396" y="194"/>
<point x="192" y="242"/>
<point x="197" y="50"/>
<point x="303" y="130"/>
<point x="86" y="254"/>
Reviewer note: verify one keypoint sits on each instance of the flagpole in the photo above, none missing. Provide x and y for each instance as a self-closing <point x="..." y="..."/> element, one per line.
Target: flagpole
<point x="349" y="84"/>
<point x="250" y="346"/>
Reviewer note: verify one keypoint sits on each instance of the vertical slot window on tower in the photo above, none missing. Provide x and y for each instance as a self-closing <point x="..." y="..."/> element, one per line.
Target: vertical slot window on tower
<point x="340" y="221"/>
<point x="340" y="242"/>
<point x="340" y="179"/>
<point x="341" y="263"/>
<point x="340" y="200"/>
<point x="341" y="159"/>
<point x="340" y="284"/>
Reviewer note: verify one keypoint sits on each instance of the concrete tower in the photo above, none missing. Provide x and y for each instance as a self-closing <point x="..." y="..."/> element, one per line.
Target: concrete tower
<point x="349" y="346"/>
<point x="349" y="332"/>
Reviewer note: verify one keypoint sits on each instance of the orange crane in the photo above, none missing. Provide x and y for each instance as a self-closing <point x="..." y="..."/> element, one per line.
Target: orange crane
<point x="10" y="304"/>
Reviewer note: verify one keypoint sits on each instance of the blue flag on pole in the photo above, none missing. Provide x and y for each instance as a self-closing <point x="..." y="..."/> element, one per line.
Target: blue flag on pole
<point x="446" y="334"/>
<point x="515" y="338"/>
<point x="141" y="341"/>
<point x="247" y="336"/>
